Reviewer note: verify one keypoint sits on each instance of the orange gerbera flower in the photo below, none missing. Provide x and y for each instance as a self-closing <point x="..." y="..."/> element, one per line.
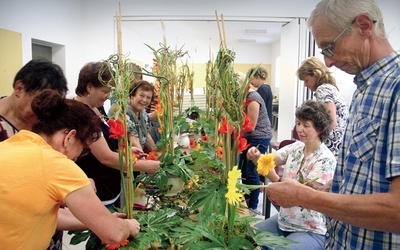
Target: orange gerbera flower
<point x="243" y="145"/>
<point x="218" y="151"/>
<point x="153" y="155"/>
<point x="192" y="143"/>
<point x="204" y="138"/>
<point x="248" y="125"/>
<point x="265" y="163"/>
<point x="116" y="246"/>
<point x="116" y="128"/>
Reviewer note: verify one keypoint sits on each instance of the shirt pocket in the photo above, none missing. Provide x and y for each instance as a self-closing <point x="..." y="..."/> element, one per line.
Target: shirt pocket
<point x="365" y="137"/>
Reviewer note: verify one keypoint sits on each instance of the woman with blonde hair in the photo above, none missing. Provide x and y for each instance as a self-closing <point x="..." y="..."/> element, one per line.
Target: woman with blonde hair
<point x="319" y="79"/>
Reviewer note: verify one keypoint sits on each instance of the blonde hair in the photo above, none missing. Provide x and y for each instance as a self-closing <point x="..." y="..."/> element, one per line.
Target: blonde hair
<point x="260" y="71"/>
<point x="312" y="66"/>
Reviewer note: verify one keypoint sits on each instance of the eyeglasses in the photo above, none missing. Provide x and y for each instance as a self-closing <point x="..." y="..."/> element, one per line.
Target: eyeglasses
<point x="327" y="51"/>
<point x="85" y="151"/>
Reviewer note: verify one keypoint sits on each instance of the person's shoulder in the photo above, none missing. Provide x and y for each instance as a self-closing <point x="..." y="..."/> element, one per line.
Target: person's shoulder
<point x="326" y="87"/>
<point x="254" y="95"/>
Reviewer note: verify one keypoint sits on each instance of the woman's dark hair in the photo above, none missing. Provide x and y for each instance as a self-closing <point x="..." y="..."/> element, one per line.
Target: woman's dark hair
<point x="55" y="113"/>
<point x="317" y="113"/>
<point x="97" y="73"/>
<point x="143" y="85"/>
<point x="40" y="74"/>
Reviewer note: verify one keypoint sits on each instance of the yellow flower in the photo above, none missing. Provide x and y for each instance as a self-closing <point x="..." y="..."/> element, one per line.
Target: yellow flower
<point x="233" y="195"/>
<point x="192" y="181"/>
<point x="198" y="146"/>
<point x="265" y="163"/>
<point x="234" y="174"/>
<point x="191" y="125"/>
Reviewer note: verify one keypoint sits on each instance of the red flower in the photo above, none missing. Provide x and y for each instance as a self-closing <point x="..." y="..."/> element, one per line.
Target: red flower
<point x="248" y="101"/>
<point x="204" y="138"/>
<point x="192" y="143"/>
<point x="224" y="127"/>
<point x="242" y="144"/>
<point x="248" y="125"/>
<point x="116" y="128"/>
<point x="116" y="246"/>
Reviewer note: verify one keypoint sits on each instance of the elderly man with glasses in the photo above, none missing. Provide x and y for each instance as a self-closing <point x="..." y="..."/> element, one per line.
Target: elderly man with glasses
<point x="364" y="203"/>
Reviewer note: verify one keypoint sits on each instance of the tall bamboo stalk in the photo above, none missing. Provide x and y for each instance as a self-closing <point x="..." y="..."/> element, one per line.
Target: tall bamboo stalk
<point x="123" y="83"/>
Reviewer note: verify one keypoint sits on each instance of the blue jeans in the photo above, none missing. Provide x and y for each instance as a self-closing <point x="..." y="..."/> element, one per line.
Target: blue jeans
<point x="306" y="240"/>
<point x="249" y="170"/>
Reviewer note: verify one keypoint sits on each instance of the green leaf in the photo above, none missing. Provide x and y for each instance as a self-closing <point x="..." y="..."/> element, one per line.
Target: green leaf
<point x="79" y="236"/>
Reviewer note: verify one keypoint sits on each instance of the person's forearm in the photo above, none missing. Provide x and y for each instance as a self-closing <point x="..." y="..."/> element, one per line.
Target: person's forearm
<point x="374" y="211"/>
<point x="67" y="221"/>
<point x="150" y="143"/>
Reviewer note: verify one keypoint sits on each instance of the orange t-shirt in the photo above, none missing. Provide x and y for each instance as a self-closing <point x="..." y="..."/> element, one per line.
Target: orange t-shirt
<point x="34" y="181"/>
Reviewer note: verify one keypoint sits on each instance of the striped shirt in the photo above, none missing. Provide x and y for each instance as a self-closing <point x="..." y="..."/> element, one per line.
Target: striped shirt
<point x="370" y="154"/>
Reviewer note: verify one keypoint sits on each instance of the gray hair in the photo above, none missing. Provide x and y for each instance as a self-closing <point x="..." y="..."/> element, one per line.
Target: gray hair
<point x="340" y="13"/>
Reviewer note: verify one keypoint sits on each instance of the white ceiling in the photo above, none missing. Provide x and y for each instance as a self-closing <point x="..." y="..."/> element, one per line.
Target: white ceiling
<point x="193" y="32"/>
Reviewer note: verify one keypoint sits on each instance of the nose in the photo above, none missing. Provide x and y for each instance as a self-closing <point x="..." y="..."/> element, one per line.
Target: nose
<point x="329" y="61"/>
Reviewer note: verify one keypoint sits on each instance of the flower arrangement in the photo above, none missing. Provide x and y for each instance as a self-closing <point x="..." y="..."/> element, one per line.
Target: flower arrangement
<point x="206" y="214"/>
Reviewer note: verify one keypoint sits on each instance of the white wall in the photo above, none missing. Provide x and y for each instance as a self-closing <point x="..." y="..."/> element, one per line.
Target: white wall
<point x="87" y="30"/>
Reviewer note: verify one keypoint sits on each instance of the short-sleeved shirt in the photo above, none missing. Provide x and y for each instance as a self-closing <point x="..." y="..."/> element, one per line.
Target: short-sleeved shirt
<point x="266" y="93"/>
<point x="328" y="93"/>
<point x="370" y="154"/>
<point x="319" y="164"/>
<point x="263" y="128"/>
<point x="137" y="127"/>
<point x="34" y="181"/>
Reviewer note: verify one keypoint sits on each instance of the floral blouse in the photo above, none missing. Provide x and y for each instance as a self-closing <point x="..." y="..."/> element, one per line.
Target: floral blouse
<point x="319" y="164"/>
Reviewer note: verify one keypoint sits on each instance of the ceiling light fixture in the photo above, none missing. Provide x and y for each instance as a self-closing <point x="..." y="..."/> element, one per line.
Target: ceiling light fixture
<point x="255" y="31"/>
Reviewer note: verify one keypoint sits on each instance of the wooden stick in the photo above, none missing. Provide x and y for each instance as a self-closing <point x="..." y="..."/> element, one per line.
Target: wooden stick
<point x="119" y="31"/>
<point x="219" y="30"/>
<point x="223" y="28"/>
<point x="163" y="29"/>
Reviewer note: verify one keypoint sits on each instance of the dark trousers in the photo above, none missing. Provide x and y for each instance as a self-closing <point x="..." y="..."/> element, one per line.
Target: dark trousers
<point x="249" y="170"/>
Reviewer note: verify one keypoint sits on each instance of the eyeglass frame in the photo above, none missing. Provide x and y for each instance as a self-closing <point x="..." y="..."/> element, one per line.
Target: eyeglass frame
<point x="327" y="50"/>
<point x="86" y="150"/>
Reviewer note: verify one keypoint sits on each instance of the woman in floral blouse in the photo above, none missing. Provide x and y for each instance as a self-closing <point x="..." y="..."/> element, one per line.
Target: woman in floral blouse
<point x="319" y="79"/>
<point x="310" y="162"/>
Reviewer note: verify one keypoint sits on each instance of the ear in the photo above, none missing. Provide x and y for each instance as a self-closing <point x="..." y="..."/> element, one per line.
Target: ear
<point x="89" y="87"/>
<point x="70" y="136"/>
<point x="365" y="24"/>
<point x="18" y="88"/>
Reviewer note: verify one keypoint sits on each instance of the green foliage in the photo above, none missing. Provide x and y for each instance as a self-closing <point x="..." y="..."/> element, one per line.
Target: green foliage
<point x="155" y="227"/>
<point x="171" y="165"/>
<point x="210" y="198"/>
